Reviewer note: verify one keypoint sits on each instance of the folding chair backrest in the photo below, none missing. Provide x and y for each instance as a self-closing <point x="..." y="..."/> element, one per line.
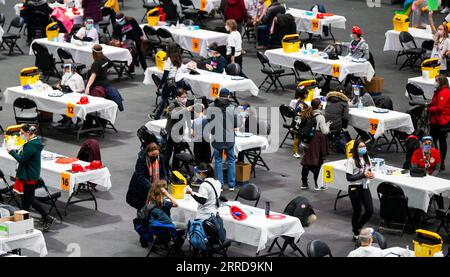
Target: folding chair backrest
<point x="406" y="40"/>
<point x="263" y="59"/>
<point x="150" y="32"/>
<point x="24" y="104"/>
<point x="17" y="23"/>
<point x="211" y="232"/>
<point x="186" y="4"/>
<point x="318" y="249"/>
<point x="286" y="112"/>
<point x="414" y="90"/>
<point x="301" y="66"/>
<point x="156" y="80"/>
<point x="428" y="45"/>
<point x="393" y="202"/>
<point x="188" y="22"/>
<point x="249" y="192"/>
<point x="163" y="33"/>
<point x="64" y="55"/>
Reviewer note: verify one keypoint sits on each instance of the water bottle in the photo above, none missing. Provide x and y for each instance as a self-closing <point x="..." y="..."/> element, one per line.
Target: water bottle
<point x="267" y="208"/>
<point x="315" y="10"/>
<point x="407" y="252"/>
<point x="360" y="104"/>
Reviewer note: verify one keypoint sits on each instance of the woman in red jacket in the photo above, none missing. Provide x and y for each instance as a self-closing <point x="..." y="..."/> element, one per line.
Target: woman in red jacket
<point x="235" y="9"/>
<point x="439" y="110"/>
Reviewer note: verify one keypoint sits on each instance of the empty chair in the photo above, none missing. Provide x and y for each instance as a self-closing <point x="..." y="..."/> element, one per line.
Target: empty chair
<point x="393" y="206"/>
<point x="66" y="57"/>
<point x="302" y="67"/>
<point x="26" y="112"/>
<point x="48" y="196"/>
<point x="272" y="74"/>
<point x="419" y="118"/>
<point x="233" y="69"/>
<point x="13" y="34"/>
<point x="190" y="12"/>
<point x="45" y="61"/>
<point x="410" y="50"/>
<point x="318" y="249"/>
<point x="157" y="82"/>
<point x="249" y="192"/>
<point x="287" y="112"/>
<point x="415" y="92"/>
<point x="165" y="37"/>
<point x="152" y="38"/>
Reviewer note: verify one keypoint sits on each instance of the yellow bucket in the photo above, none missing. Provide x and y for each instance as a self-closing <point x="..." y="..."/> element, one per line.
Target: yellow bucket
<point x="401" y="23"/>
<point x="310" y="85"/>
<point x="432" y="66"/>
<point x="427" y="243"/>
<point x="153" y="17"/>
<point x="268" y="3"/>
<point x="160" y="60"/>
<point x="178" y="186"/>
<point x="349" y="148"/>
<point x="291" y="43"/>
<point x="29" y="76"/>
<point x="13" y="133"/>
<point x="52" y="31"/>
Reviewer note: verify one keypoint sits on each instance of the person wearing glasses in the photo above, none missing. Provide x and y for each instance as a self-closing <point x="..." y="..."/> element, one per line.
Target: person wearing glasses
<point x="366" y="249"/>
<point x="215" y="61"/>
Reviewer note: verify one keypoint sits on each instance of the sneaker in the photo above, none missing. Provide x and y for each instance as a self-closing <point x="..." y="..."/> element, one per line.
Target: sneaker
<point x="151" y="116"/>
<point x="445" y="10"/>
<point x="304" y="187"/>
<point x="296" y="155"/>
<point x="317" y="188"/>
<point x="47" y="225"/>
<point x="231" y="188"/>
<point x="324" y="188"/>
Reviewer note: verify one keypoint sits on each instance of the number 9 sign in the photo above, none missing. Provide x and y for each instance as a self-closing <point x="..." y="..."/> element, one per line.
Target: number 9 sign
<point x="328" y="174"/>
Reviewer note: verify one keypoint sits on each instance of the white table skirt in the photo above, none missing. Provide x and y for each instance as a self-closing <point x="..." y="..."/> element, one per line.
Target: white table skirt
<point x="418" y="190"/>
<point x="426" y="85"/>
<point x="186" y="38"/>
<point x="256" y="230"/>
<point x="51" y="172"/>
<point x="34" y="242"/>
<point x="106" y="109"/>
<point x="241" y="143"/>
<point x="392" y="120"/>
<point x="392" y="42"/>
<point x="320" y="65"/>
<point x="83" y="53"/>
<point x="201" y="84"/>
<point x="304" y="22"/>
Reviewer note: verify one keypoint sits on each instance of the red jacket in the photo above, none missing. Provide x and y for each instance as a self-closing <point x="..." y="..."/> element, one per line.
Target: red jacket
<point x="235" y="9"/>
<point x="419" y="159"/>
<point x="439" y="108"/>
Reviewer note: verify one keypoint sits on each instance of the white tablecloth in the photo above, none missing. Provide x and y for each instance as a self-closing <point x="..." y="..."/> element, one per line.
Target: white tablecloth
<point x="186" y="38"/>
<point x="320" y="65"/>
<point x="241" y="143"/>
<point x="426" y="85"/>
<point x="34" y="242"/>
<point x="256" y="230"/>
<point x="51" y="172"/>
<point x="392" y="120"/>
<point x="304" y="22"/>
<point x="77" y="19"/>
<point x="210" y="5"/>
<point x="397" y="252"/>
<point x="418" y="190"/>
<point x="106" y="109"/>
<point x="202" y="84"/>
<point x="392" y="42"/>
<point x="83" y="53"/>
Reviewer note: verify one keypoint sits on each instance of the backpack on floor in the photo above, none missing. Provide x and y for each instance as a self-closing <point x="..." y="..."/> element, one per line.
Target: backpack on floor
<point x="217" y="221"/>
<point x="197" y="235"/>
<point x="308" y="129"/>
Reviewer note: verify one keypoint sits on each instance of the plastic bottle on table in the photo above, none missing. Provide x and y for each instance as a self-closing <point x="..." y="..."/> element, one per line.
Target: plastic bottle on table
<point x="315" y="10"/>
<point x="407" y="252"/>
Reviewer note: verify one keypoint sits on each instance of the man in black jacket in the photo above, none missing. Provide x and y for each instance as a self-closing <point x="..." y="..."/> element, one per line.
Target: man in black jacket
<point x="127" y="28"/>
<point x="36" y="14"/>
<point x="263" y="29"/>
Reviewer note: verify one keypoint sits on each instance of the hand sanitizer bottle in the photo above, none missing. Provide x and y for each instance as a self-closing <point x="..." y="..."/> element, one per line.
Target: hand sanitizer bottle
<point x="407" y="252"/>
<point x="315" y="10"/>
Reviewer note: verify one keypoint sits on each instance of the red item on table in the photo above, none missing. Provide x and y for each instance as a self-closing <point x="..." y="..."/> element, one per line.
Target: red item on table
<point x="320" y="16"/>
<point x="237" y="213"/>
<point x="77" y="168"/>
<point x="162" y="17"/>
<point x="83" y="100"/>
<point x="94" y="165"/>
<point x="327" y="14"/>
<point x="275" y="216"/>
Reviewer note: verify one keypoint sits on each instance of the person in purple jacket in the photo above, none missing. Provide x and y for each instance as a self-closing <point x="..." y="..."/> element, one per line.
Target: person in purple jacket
<point x="92" y="9"/>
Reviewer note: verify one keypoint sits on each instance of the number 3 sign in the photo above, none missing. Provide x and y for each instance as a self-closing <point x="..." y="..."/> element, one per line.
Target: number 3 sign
<point x="328" y="174"/>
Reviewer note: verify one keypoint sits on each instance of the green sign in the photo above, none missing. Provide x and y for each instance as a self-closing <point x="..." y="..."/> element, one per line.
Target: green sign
<point x="433" y="5"/>
<point x="4" y="229"/>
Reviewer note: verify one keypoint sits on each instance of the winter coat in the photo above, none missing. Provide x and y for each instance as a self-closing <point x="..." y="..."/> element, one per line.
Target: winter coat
<point x="317" y="150"/>
<point x="272" y="11"/>
<point x="91" y="9"/>
<point x="337" y="111"/>
<point x="140" y="182"/>
<point x="29" y="159"/>
<point x="235" y="9"/>
<point x="439" y="108"/>
<point x="360" y="51"/>
<point x="90" y="151"/>
<point x="229" y="122"/>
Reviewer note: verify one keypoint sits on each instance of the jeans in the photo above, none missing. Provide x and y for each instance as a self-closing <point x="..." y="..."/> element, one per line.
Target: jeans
<point x="231" y="166"/>
<point x="262" y="34"/>
<point x="28" y="200"/>
<point x="360" y="197"/>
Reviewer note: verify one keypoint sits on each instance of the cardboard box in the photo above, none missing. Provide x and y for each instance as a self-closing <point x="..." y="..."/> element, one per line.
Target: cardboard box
<point x="375" y="85"/>
<point x="18" y="224"/>
<point x="243" y="171"/>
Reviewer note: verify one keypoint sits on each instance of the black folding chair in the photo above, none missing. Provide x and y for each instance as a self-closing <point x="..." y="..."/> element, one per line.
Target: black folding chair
<point x="249" y="192"/>
<point x="121" y="68"/>
<point x="444" y="215"/>
<point x="190" y="12"/>
<point x="157" y="82"/>
<point x="152" y="37"/>
<point x="10" y="38"/>
<point x="302" y="67"/>
<point x="48" y="196"/>
<point x="419" y="117"/>
<point x="272" y="74"/>
<point x="185" y="156"/>
<point x="26" y="112"/>
<point x="215" y="245"/>
<point x="287" y="112"/>
<point x="45" y="61"/>
<point x="66" y="57"/>
<point x="2" y="19"/>
<point x="318" y="249"/>
<point x="165" y="37"/>
<point x="410" y="50"/>
<point x="7" y="190"/>
<point x="414" y="92"/>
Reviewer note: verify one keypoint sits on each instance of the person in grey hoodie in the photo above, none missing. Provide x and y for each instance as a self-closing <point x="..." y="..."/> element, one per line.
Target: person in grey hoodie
<point x="337" y="111"/>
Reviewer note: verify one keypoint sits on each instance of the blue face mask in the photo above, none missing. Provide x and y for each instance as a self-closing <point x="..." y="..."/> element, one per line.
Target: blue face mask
<point x="89" y="26"/>
<point x="24" y="137"/>
<point x="427" y="148"/>
<point x="362" y="151"/>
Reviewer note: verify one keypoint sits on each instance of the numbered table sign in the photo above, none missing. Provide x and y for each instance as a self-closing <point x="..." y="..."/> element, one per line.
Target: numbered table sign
<point x="203" y="5"/>
<point x="315" y="25"/>
<point x="65" y="181"/>
<point x="196" y="45"/>
<point x="70" y="112"/>
<point x="328" y="174"/>
<point x="215" y="90"/>
<point x="336" y="70"/>
<point x="373" y="125"/>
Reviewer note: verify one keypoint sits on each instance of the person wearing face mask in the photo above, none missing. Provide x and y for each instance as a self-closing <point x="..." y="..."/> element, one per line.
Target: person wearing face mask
<point x="216" y="62"/>
<point x="208" y="194"/>
<point x="441" y="46"/>
<point x="127" y="28"/>
<point x="179" y="118"/>
<point x="234" y="43"/>
<point x="439" y="111"/>
<point x="427" y="157"/>
<point x="88" y="32"/>
<point x="236" y="10"/>
<point x="317" y="149"/>
<point x="91" y="9"/>
<point x="148" y="170"/>
<point x="29" y="171"/>
<point x="202" y="147"/>
<point x="358" y="175"/>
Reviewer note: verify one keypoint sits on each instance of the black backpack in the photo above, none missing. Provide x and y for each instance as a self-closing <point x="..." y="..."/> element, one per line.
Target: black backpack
<point x="308" y="129"/>
<point x="301" y="208"/>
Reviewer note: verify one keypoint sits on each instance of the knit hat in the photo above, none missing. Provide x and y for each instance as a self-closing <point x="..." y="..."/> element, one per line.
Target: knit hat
<point x="224" y="92"/>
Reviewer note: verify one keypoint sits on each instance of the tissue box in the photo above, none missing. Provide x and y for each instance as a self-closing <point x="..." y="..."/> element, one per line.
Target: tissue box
<point x="19" y="224"/>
